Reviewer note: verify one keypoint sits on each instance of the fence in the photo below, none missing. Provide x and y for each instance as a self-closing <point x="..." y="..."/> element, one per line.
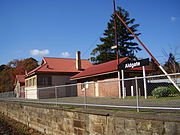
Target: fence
<point x="145" y="93"/>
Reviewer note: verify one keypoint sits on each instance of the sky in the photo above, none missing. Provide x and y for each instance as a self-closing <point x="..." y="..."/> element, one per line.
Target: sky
<point x="59" y="28"/>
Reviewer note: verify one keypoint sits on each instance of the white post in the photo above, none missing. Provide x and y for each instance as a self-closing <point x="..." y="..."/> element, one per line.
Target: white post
<point x="85" y="96"/>
<point x="25" y="94"/>
<point x="119" y="86"/>
<point x="56" y="95"/>
<point x="137" y="94"/>
<point x="132" y="91"/>
<point x="123" y="90"/>
<point x="144" y="79"/>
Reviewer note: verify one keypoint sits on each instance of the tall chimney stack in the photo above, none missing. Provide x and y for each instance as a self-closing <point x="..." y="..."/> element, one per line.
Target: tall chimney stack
<point x="78" y="60"/>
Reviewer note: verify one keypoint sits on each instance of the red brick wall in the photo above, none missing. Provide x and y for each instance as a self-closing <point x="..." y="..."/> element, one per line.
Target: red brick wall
<point x="106" y="89"/>
<point x="89" y="90"/>
<point x="109" y="89"/>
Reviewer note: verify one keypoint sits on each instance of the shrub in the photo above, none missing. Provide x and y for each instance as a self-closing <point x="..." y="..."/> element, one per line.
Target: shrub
<point x="173" y="90"/>
<point x="161" y="92"/>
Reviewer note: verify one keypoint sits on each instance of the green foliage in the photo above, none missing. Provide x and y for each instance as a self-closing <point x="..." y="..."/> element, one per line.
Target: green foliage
<point x="173" y="90"/>
<point x="126" y="46"/>
<point x="165" y="91"/>
<point x="161" y="92"/>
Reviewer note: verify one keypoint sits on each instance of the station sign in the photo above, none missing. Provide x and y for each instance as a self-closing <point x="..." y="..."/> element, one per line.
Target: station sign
<point x="133" y="64"/>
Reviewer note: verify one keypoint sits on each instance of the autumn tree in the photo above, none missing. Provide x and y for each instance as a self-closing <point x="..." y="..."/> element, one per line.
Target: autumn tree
<point x="127" y="47"/>
<point x="6" y="79"/>
<point x="13" y="68"/>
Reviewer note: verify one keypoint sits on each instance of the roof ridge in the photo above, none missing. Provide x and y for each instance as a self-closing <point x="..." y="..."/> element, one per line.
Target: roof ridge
<point x="110" y="61"/>
<point x="100" y="68"/>
<point x="54" y="62"/>
<point x="64" y="58"/>
<point x="37" y="68"/>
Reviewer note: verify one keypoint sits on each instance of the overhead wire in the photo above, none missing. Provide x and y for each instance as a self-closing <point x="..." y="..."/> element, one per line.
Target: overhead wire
<point x="91" y="45"/>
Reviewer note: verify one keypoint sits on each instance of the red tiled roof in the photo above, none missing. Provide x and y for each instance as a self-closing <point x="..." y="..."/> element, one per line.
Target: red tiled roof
<point x="100" y="69"/>
<point x="105" y="68"/>
<point x="60" y="65"/>
<point x="20" y="78"/>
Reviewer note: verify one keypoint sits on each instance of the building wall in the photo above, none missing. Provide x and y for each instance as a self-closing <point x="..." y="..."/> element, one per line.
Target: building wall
<point x="31" y="87"/>
<point x="109" y="89"/>
<point x="64" y="91"/>
<point x="31" y="94"/>
<point x="17" y="87"/>
<point x="60" y="79"/>
<point x="61" y="82"/>
<point x="100" y="89"/>
<point x="31" y="82"/>
<point x="19" y="90"/>
<point x="90" y="89"/>
<point x="51" y="121"/>
<point x="49" y="91"/>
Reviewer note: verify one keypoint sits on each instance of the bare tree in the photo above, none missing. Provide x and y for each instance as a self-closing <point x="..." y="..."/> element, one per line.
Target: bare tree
<point x="172" y="60"/>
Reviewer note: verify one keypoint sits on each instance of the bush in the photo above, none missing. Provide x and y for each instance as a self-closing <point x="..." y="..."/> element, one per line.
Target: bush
<point x="173" y="90"/>
<point x="161" y="92"/>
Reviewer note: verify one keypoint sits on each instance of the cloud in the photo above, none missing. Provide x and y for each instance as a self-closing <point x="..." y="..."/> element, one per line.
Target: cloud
<point x="173" y="18"/>
<point x="37" y="52"/>
<point x="65" y="54"/>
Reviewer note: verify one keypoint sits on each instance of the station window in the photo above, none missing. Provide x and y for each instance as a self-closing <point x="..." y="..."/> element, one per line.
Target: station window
<point x="45" y="81"/>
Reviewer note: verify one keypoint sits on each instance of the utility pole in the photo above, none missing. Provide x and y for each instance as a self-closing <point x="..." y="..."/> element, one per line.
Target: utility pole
<point x="115" y="33"/>
<point x="155" y="60"/>
<point x="116" y="44"/>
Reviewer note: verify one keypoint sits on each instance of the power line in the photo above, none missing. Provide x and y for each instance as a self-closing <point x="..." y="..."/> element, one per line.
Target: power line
<point x="91" y="45"/>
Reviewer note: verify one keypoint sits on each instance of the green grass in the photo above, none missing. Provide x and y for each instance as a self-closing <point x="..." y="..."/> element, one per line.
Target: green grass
<point x="167" y="98"/>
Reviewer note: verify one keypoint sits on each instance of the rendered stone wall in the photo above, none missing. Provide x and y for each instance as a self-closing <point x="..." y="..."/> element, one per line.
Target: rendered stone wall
<point x="69" y="122"/>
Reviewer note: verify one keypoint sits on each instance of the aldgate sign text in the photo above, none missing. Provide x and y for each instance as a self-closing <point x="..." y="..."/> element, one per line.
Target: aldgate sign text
<point x="134" y="64"/>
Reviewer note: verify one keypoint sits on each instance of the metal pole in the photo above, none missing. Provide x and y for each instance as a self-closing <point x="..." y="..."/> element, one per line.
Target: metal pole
<point x="25" y="94"/>
<point x="115" y="33"/>
<point x="144" y="80"/>
<point x="85" y="98"/>
<point x="38" y="94"/>
<point x="137" y="94"/>
<point x="116" y="43"/>
<point x="56" y="95"/>
<point x="175" y="85"/>
<point x="137" y="39"/>
<point x="123" y="90"/>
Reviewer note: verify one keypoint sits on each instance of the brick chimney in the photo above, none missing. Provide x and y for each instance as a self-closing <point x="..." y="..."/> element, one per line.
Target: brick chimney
<point x="78" y="60"/>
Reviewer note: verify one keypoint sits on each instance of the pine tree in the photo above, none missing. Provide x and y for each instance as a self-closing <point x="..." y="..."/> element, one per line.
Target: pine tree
<point x="127" y="47"/>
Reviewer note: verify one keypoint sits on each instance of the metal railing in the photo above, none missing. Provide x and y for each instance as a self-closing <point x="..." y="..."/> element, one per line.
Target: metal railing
<point x="140" y="93"/>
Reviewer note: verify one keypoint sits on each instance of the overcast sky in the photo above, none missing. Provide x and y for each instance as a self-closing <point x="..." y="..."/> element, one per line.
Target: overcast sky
<point x="58" y="28"/>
